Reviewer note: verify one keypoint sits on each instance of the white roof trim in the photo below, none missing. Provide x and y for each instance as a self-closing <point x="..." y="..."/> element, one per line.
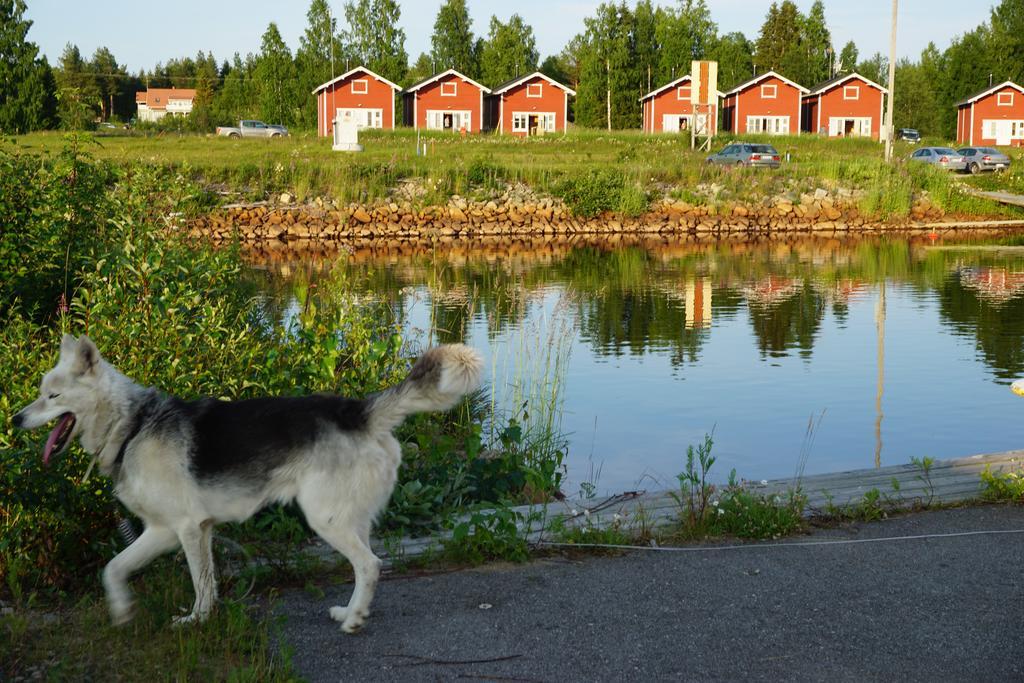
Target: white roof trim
<point x="843" y="80"/>
<point x="519" y="81"/>
<point x="991" y="90"/>
<point x="769" y="74"/>
<point x="449" y="72"/>
<point x="349" y="73"/>
<point x="687" y="77"/>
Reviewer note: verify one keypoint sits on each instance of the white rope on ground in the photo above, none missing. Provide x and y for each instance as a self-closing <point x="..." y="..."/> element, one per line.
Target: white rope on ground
<point x="795" y="544"/>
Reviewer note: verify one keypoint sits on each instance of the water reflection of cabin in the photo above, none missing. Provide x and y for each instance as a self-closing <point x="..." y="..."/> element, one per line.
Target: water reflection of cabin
<point x="993" y="284"/>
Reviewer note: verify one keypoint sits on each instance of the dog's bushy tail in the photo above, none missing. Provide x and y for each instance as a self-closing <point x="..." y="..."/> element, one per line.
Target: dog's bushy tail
<point x="441" y="376"/>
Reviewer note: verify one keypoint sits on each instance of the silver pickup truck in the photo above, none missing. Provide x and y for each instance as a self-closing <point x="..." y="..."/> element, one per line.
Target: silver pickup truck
<point x="252" y="129"/>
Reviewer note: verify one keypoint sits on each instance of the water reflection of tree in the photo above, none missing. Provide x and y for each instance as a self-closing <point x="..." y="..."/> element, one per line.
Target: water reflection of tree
<point x="790" y="322"/>
<point x="996" y="325"/>
<point x="632" y="301"/>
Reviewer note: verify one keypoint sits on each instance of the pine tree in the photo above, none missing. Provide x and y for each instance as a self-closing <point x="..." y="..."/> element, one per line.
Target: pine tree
<point x="421" y="69"/>
<point x="109" y="78"/>
<point x="77" y="93"/>
<point x="276" y="78"/>
<point x="26" y="98"/>
<point x="817" y="43"/>
<point x="207" y="81"/>
<point x="452" y="43"/>
<point x="510" y="51"/>
<point x="237" y="99"/>
<point x="780" y="43"/>
<point x="876" y="68"/>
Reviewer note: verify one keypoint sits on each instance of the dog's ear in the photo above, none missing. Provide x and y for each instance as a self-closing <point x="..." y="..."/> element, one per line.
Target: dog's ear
<point x="68" y="345"/>
<point x="86" y="356"/>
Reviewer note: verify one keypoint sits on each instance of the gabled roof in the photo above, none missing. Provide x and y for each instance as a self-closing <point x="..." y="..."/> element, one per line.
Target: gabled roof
<point x="157" y="98"/>
<point x="678" y="81"/>
<point x="768" y="74"/>
<point x="988" y="91"/>
<point x="839" y="80"/>
<point x="436" y="77"/>
<point x="356" y="70"/>
<point x="508" y="85"/>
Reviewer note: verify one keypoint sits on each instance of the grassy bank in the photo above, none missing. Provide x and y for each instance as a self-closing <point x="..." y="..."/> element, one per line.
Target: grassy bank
<point x="625" y="170"/>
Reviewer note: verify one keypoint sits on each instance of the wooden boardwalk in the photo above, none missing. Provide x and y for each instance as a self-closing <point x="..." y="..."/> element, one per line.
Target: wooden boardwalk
<point x="897" y="486"/>
<point x="1001" y="197"/>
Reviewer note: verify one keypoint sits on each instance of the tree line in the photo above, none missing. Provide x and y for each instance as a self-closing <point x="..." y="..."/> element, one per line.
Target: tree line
<point x="624" y="51"/>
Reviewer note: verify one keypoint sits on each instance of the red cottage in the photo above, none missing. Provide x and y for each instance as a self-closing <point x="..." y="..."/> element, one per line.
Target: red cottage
<point x="847" y="106"/>
<point x="669" y="110"/>
<point x="994" y="116"/>
<point x="768" y="104"/>
<point x="445" y="101"/>
<point x="530" y="105"/>
<point x="360" y="94"/>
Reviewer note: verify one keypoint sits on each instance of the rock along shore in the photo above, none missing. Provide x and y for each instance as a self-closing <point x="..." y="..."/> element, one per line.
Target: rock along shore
<point x="820" y="213"/>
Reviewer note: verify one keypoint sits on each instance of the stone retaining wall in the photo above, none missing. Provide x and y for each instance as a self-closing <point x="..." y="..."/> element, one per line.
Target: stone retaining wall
<point x="467" y="219"/>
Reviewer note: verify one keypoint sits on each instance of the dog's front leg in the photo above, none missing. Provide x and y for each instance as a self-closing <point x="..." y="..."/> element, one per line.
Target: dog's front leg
<point x="153" y="542"/>
<point x="198" y="544"/>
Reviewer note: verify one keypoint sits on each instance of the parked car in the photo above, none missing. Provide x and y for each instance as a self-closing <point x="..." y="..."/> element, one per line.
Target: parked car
<point x="747" y="154"/>
<point x="252" y="129"/>
<point x="979" y="159"/>
<point x="942" y="157"/>
<point x="908" y="135"/>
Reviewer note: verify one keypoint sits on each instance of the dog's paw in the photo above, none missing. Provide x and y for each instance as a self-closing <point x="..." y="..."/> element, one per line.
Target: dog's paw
<point x="122" y="612"/>
<point x="339" y="613"/>
<point x="186" y="620"/>
<point x="354" y="624"/>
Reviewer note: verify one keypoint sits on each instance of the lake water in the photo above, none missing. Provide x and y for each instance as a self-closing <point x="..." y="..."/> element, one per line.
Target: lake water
<point x="896" y="348"/>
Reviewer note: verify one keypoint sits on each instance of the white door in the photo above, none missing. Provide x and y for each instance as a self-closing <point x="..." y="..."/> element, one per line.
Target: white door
<point x="1004" y="132"/>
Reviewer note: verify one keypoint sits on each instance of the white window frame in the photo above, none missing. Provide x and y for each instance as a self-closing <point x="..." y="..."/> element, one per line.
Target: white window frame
<point x="847" y="89"/>
<point x="772" y="88"/>
<point x="455" y="89"/>
<point x="540" y="90"/>
<point x="464" y="118"/>
<point x="365" y="89"/>
<point x="1017" y="130"/>
<point x="862" y="126"/>
<point x="521" y="121"/>
<point x="679" y="93"/>
<point x="365" y="118"/>
<point x="768" y="125"/>
<point x="1001" y="103"/>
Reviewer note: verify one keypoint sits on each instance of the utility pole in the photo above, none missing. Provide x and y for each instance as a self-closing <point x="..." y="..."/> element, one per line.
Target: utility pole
<point x="892" y="84"/>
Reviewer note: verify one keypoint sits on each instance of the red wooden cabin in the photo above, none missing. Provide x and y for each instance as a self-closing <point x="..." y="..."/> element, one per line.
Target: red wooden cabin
<point x="768" y="104"/>
<point x="445" y="101"/>
<point x="359" y="94"/>
<point x="529" y="105"/>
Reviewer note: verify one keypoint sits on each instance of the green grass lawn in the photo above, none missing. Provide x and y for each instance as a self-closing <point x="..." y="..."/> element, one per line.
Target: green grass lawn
<point x="483" y="165"/>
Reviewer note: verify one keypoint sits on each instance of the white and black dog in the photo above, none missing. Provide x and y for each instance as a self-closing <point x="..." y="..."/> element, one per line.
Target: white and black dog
<point x="184" y="466"/>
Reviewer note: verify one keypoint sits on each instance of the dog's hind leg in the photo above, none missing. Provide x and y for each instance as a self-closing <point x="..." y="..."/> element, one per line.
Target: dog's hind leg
<point x="352" y="542"/>
<point x="153" y="542"/>
<point x="197" y="542"/>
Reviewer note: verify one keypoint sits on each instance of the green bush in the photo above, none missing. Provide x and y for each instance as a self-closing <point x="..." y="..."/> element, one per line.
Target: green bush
<point x="589" y="194"/>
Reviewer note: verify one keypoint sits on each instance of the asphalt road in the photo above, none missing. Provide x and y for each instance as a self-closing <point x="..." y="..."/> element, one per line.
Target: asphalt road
<point x="936" y="609"/>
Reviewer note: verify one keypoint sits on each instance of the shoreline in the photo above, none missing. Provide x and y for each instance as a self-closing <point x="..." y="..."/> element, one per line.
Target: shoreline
<point x="274" y="227"/>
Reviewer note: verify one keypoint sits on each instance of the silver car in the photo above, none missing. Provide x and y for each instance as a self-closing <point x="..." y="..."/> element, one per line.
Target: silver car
<point x="979" y="159"/>
<point x="941" y="157"/>
<point x="747" y="154"/>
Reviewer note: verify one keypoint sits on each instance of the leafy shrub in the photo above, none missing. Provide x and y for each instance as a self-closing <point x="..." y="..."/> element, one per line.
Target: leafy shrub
<point x="589" y="194"/>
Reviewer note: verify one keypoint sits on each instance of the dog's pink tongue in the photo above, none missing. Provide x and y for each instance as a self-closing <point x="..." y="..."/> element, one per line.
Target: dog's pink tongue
<point x="51" y="440"/>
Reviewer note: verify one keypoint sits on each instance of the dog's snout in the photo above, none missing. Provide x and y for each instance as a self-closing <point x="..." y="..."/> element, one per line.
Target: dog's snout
<point x="18" y="420"/>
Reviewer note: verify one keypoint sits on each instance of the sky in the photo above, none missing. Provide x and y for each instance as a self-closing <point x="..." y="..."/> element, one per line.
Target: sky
<point x="141" y="34"/>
